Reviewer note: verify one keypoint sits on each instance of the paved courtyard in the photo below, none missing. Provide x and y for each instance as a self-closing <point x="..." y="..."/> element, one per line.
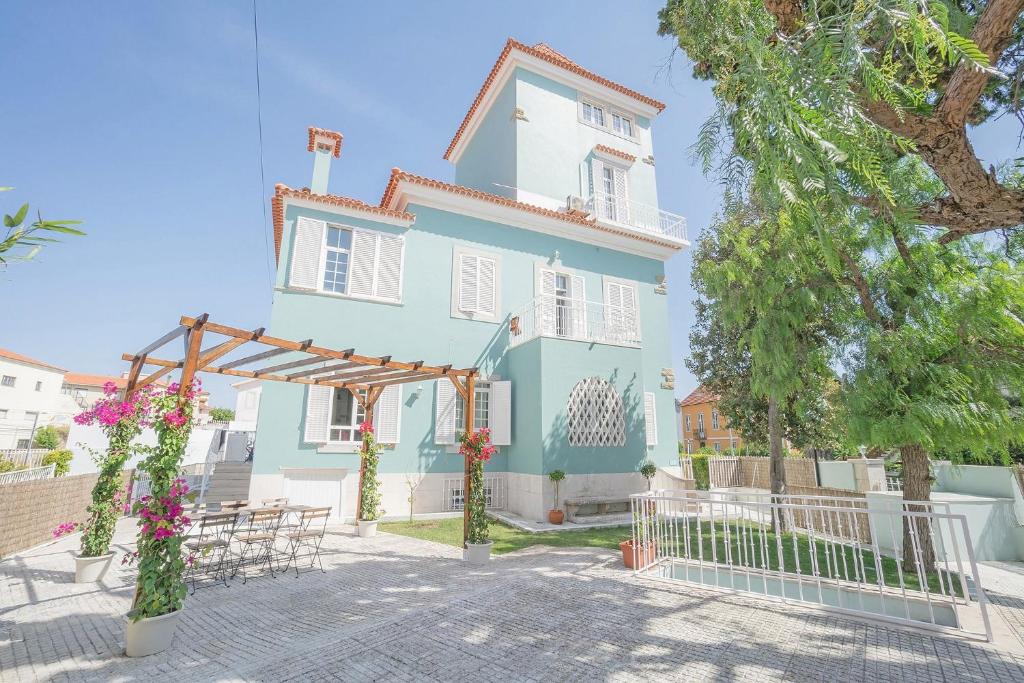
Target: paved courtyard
<point x="394" y="608"/>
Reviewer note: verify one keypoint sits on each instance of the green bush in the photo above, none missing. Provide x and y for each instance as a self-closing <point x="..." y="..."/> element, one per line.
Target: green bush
<point x="50" y="437"/>
<point x="222" y="414"/>
<point x="61" y="458"/>
<point x="701" y="473"/>
<point x="9" y="466"/>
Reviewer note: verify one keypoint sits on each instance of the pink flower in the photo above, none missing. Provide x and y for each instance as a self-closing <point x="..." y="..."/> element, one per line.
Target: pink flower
<point x="175" y="418"/>
<point x="366" y="427"/>
<point x="109" y="388"/>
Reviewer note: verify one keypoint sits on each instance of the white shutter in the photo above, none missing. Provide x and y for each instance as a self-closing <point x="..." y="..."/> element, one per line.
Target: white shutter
<point x="620" y="312"/>
<point x="621" y="195"/>
<point x="650" y="419"/>
<point x="486" y="285"/>
<point x="468" y="282"/>
<point x="444" y="412"/>
<point x="501" y="413"/>
<point x="318" y="411"/>
<point x="578" y="294"/>
<point x="597" y="188"/>
<point x="629" y="313"/>
<point x="387" y="415"/>
<point x="364" y="260"/>
<point x="547" y="312"/>
<point x="306" y="248"/>
<point x="388" y="281"/>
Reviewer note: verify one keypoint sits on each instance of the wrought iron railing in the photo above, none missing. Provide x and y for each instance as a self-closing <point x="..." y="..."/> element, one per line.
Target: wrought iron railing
<point x="494" y="493"/>
<point x="564" y="318"/>
<point x="895" y="561"/>
<point x="642" y="217"/>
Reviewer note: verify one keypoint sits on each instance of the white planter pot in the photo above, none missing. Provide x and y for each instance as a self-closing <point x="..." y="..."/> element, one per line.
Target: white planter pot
<point x="367" y="529"/>
<point x="148" y="636"/>
<point x="479" y="553"/>
<point x="92" y="569"/>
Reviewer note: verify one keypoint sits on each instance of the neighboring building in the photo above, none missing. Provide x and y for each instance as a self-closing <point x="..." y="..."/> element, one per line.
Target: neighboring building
<point x="543" y="266"/>
<point x="30" y="398"/>
<point x="703" y="425"/>
<point x="247" y="405"/>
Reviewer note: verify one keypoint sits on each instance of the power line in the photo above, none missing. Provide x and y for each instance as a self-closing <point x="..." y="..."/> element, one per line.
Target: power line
<point x="259" y="120"/>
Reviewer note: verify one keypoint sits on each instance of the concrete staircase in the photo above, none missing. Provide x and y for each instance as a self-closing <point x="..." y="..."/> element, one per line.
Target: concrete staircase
<point x="229" y="481"/>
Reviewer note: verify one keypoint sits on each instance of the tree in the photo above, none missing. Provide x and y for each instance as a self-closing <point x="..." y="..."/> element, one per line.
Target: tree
<point x="222" y="414"/>
<point x="848" y="120"/>
<point x="19" y="236"/>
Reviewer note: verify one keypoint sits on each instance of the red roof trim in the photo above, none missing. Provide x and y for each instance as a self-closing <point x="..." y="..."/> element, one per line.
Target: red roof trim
<point x="11" y="355"/>
<point x="333" y="135"/>
<point x="542" y="51"/>
<point x="615" y="152"/>
<point x="699" y="396"/>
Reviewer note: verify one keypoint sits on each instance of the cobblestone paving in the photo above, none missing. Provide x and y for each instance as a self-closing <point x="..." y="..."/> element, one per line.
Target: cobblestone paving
<point x="398" y="609"/>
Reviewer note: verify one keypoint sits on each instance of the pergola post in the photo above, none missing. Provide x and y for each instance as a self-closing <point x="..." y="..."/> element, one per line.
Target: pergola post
<point x="193" y="345"/>
<point x="467" y="487"/>
<point x="368" y="402"/>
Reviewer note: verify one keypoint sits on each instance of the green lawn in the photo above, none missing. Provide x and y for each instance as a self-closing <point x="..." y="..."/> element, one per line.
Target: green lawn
<point x="795" y="546"/>
<point x="508" y="539"/>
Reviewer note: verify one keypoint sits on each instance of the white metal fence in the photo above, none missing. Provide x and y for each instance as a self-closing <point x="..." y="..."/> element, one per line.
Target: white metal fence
<point x="576" y="319"/>
<point x="724" y="472"/>
<point x="833" y="552"/>
<point x="24" y="456"/>
<point x="686" y="467"/>
<point x="494" y="493"/>
<point x="642" y="217"/>
<point x="27" y="475"/>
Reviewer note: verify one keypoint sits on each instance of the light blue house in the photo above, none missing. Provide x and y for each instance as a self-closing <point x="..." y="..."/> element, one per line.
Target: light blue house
<point x="542" y="265"/>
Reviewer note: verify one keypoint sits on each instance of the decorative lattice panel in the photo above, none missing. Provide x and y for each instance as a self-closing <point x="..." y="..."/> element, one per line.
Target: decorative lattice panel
<point x="596" y="415"/>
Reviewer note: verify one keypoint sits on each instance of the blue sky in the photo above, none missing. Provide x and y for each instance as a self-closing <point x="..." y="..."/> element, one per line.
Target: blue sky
<point x="141" y="120"/>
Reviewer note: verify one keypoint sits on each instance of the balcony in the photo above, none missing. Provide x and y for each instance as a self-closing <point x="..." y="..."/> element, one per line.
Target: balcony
<point x="620" y="212"/>
<point x="577" y="320"/>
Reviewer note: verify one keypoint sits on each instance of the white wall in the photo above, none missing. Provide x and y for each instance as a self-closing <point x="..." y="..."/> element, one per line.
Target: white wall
<point x="53" y="406"/>
<point x="83" y="437"/>
<point x="247" y="405"/>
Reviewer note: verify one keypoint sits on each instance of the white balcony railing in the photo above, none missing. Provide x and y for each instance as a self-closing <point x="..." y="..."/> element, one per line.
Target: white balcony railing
<point x="30" y="474"/>
<point x="586" y="321"/>
<point x="609" y="208"/>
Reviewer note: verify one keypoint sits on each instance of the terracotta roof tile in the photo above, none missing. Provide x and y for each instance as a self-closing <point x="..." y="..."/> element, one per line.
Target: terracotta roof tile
<point x="398" y="175"/>
<point x="542" y="51"/>
<point x="282" y="192"/>
<point x="333" y="135"/>
<point x="615" y="152"/>
<point x="82" y="379"/>
<point x="11" y="355"/>
<point x="698" y="396"/>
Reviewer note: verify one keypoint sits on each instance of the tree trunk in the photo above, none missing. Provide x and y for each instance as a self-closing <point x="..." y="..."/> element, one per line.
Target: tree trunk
<point x="917" y="486"/>
<point x="776" y="462"/>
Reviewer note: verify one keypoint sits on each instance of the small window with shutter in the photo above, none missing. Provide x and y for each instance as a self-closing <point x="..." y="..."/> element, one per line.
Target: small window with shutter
<point x="475" y="285"/>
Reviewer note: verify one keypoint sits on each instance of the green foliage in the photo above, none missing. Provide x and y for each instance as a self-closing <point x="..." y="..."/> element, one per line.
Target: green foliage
<point x="479" y="526"/>
<point x="556" y="475"/>
<point x="222" y="414"/>
<point x="9" y="466"/>
<point x="701" y="469"/>
<point x="30" y="238"/>
<point x="648" y="470"/>
<point x="370" y="498"/>
<point x="61" y="459"/>
<point x="50" y="437"/>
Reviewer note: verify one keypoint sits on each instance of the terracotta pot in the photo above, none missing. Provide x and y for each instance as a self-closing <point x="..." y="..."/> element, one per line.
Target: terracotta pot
<point x="148" y="636"/>
<point x="92" y="569"/>
<point x="556" y="516"/>
<point x="478" y="553"/>
<point x="644" y="554"/>
<point x="367" y="529"/>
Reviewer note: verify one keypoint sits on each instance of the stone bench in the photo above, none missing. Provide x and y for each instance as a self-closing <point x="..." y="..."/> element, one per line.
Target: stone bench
<point x="572" y="505"/>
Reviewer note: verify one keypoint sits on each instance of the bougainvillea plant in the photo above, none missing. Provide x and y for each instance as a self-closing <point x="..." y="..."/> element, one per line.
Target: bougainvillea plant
<point x="121" y="421"/>
<point x="162" y="520"/>
<point x="370" y="495"/>
<point x="477" y="449"/>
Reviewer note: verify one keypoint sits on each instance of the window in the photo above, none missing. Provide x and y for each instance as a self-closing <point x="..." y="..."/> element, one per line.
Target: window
<point x="346" y="414"/>
<point x="596" y="415"/>
<point x="700" y="423"/>
<point x="3" y="414"/>
<point x="592" y="114"/>
<point x="621" y="319"/>
<point x="610" y="184"/>
<point x="7" y="381"/>
<point x="336" y="261"/>
<point x="39" y="386"/>
<point x="22" y="443"/>
<point x="31" y="414"/>
<point x="718" y="447"/>
<point x="476" y="279"/>
<point x="563" y="308"/>
<point x="481" y="408"/>
<point x="688" y="426"/>
<point x="714" y="419"/>
<point x="622" y="125"/>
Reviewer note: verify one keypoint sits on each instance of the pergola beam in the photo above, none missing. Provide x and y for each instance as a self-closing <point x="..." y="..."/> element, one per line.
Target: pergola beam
<point x="291" y="364"/>
<point x="400" y="378"/>
<point x="354" y="377"/>
<point x="258" y="356"/>
<point x="326" y="368"/>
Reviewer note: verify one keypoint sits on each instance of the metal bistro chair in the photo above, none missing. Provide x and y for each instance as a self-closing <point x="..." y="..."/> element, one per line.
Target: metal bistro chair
<point x="308" y="536"/>
<point x="210" y="547"/>
<point x="257" y="541"/>
<point x="273" y="502"/>
<point x="233" y="504"/>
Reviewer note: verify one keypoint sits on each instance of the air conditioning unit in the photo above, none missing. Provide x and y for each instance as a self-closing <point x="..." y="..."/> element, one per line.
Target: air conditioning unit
<point x="574" y="203"/>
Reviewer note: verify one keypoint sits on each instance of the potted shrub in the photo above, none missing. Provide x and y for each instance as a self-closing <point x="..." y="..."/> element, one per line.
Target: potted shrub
<point x="556" y="515"/>
<point x="121" y="421"/>
<point x="477" y="449"/>
<point x="648" y="471"/>
<point x="369" y="492"/>
<point x="643" y="551"/>
<point x="160" y="588"/>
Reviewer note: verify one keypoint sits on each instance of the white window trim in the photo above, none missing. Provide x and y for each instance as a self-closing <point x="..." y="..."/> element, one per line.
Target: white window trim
<point x="331" y="427"/>
<point x="456" y="312"/>
<point x="605" y="279"/>
<point x="376" y="263"/>
<point x="689" y="426"/>
<point x="454" y="448"/>
<point x="714" y="420"/>
<point x="608" y="110"/>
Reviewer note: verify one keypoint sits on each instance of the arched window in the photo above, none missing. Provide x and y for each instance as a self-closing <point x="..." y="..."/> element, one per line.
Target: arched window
<point x="596" y="415"/>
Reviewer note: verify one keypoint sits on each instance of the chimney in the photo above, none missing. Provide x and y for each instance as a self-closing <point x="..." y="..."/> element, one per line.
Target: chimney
<point x="323" y="144"/>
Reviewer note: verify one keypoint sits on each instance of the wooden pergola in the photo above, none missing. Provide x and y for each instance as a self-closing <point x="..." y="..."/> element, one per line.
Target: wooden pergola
<point x="365" y="376"/>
